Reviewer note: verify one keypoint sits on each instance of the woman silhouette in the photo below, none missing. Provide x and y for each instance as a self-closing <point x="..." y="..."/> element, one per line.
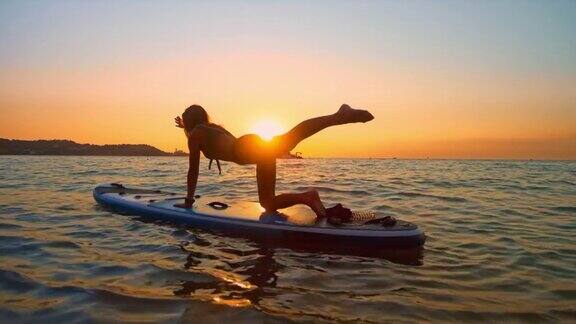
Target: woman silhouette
<point x="219" y="144"/>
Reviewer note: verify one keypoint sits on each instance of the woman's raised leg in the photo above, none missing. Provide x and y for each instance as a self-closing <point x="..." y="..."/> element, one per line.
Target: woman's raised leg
<point x="309" y="127"/>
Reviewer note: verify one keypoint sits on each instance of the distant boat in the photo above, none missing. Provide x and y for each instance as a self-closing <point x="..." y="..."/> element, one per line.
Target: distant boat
<point x="178" y="152"/>
<point x="297" y="155"/>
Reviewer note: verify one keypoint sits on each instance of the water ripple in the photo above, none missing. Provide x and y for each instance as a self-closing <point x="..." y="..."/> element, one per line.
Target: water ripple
<point x="500" y="245"/>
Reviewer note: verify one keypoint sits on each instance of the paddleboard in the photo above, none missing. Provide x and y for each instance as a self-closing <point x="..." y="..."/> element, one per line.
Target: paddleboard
<point x="294" y="223"/>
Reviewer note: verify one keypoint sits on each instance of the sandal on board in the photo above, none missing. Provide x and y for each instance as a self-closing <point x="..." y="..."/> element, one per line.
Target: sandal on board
<point x="387" y="221"/>
<point x="338" y="215"/>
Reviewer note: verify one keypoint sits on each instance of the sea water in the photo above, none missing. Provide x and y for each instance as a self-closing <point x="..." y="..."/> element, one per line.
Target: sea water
<point x="501" y="245"/>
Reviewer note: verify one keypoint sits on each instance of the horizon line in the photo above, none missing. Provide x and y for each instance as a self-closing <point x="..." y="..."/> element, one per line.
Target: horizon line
<point x="398" y="157"/>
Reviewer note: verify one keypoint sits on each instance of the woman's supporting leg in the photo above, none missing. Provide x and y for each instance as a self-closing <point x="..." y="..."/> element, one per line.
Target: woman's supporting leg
<point x="307" y="128"/>
<point x="266" y="177"/>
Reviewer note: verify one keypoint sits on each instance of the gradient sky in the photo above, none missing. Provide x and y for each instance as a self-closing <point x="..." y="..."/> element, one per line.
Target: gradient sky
<point x="445" y="79"/>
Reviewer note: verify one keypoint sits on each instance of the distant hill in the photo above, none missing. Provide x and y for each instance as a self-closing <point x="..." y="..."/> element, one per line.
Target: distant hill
<point x="65" y="147"/>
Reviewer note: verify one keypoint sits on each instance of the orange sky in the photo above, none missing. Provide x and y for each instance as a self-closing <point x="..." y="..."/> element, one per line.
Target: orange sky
<point x="110" y="93"/>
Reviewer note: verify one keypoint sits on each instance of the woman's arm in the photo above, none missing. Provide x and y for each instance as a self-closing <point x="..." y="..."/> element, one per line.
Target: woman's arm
<point x="194" y="165"/>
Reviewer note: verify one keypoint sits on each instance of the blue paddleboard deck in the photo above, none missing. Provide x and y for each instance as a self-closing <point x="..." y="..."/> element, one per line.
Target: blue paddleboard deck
<point x="249" y="218"/>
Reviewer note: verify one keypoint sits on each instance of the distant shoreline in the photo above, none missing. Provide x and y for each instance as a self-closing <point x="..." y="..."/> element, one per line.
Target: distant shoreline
<point x="71" y="148"/>
<point x="94" y="155"/>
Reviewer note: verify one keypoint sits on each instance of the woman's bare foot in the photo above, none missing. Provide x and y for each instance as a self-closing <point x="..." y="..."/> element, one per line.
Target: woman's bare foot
<point x="347" y="114"/>
<point x="313" y="201"/>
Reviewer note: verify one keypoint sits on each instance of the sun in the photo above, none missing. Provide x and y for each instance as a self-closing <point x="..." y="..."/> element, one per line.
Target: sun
<point x="267" y="129"/>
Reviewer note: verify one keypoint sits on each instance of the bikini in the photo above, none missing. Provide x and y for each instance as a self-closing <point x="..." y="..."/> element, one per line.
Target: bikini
<point x="217" y="164"/>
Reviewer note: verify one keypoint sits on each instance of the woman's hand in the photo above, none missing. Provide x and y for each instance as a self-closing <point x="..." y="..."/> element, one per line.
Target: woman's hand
<point x="188" y="202"/>
<point x="184" y="205"/>
<point x="178" y="121"/>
